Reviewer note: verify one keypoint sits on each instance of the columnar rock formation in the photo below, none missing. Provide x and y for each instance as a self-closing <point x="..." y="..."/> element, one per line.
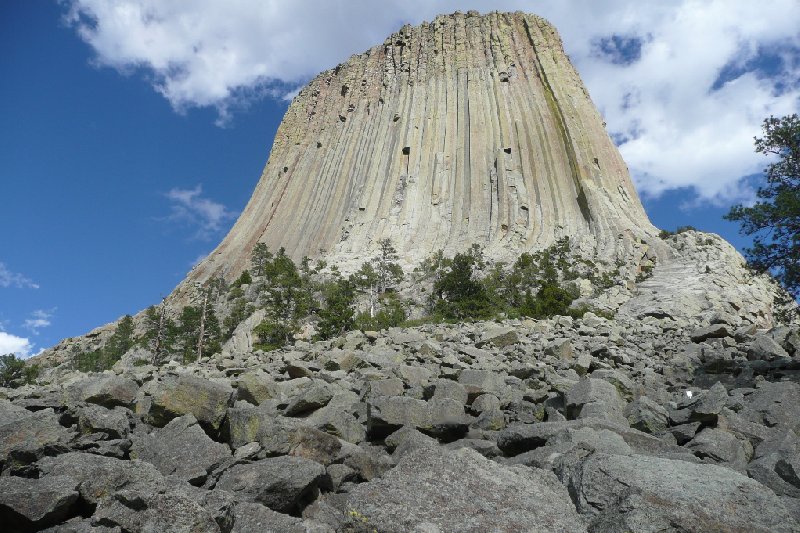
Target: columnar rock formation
<point x="468" y="129"/>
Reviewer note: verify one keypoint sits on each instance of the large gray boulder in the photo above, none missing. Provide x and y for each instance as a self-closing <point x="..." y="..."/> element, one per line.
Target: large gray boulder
<point x="639" y="493"/>
<point x="115" y="423"/>
<point x="181" y="448"/>
<point x="25" y="440"/>
<point x="100" y="477"/>
<point x="108" y="391"/>
<point x="183" y="394"/>
<point x="595" y="398"/>
<point x="432" y="489"/>
<point x="250" y="517"/>
<point x="284" y="484"/>
<point x="30" y="504"/>
<point x="142" y="510"/>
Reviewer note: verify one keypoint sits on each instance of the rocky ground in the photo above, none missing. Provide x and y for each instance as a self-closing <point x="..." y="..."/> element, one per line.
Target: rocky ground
<point x="555" y="425"/>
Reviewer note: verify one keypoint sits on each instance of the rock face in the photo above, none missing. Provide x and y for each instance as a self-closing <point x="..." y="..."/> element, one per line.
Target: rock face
<point x="467" y="129"/>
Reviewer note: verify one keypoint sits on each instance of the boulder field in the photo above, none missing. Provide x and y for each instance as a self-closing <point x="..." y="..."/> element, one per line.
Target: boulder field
<point x="555" y="425"/>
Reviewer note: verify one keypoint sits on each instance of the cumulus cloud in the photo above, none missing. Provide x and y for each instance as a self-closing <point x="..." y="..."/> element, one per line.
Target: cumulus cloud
<point x="13" y="279"/>
<point x="190" y="208"/>
<point x="683" y="85"/>
<point x="19" y="346"/>
<point x="39" y="319"/>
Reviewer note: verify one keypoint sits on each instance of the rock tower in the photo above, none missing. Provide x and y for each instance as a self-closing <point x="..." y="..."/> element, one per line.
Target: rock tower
<point x="471" y="129"/>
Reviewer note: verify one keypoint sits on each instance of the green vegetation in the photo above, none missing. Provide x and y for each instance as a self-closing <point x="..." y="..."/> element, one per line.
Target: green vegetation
<point x="121" y="341"/>
<point x="774" y="220"/>
<point x="291" y="297"/>
<point x="15" y="373"/>
<point x="665" y="234"/>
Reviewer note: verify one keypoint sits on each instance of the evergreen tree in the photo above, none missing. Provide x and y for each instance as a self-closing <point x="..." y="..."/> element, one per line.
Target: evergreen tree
<point x="774" y="220"/>
<point x="458" y="295"/>
<point x="338" y="312"/>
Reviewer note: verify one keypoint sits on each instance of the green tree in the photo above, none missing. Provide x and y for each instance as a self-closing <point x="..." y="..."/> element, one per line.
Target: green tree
<point x="122" y="340"/>
<point x="14" y="372"/>
<point x="774" y="220"/>
<point x="458" y="294"/>
<point x="338" y="311"/>
<point x="387" y="269"/>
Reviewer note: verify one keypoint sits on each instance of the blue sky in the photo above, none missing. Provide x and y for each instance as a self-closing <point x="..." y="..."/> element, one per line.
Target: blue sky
<point x="129" y="143"/>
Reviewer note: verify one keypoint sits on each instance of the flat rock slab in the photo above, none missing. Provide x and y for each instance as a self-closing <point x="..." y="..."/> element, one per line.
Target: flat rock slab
<point x="179" y="395"/>
<point x="107" y="391"/>
<point x="27" y="504"/>
<point x="283" y="484"/>
<point x="438" y="490"/>
<point x="26" y="439"/>
<point x="639" y="493"/>
<point x="180" y="448"/>
<point x="100" y="477"/>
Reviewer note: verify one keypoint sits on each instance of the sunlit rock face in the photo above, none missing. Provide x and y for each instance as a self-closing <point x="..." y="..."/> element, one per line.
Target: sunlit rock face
<point x="471" y="129"/>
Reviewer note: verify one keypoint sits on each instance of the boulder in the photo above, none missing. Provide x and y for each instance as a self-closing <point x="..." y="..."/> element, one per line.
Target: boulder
<point x="25" y="440"/>
<point x="715" y="331"/>
<point x="639" y="493"/>
<point x="142" y="510"/>
<point x="646" y="415"/>
<point x="100" y="477"/>
<point x="316" y="395"/>
<point x="595" y="398"/>
<point x="181" y="448"/>
<point x="718" y="446"/>
<point x="108" y="391"/>
<point x="477" y="382"/>
<point x="284" y="484"/>
<point x="183" y="394"/>
<point x="32" y="504"/>
<point x="432" y="489"/>
<point x="115" y="423"/>
<point x="256" y="387"/>
<point x="250" y="517"/>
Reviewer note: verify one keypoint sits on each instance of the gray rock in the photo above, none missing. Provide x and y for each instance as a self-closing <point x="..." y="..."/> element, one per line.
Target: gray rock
<point x="709" y="404"/>
<point x="316" y="395"/>
<point x="256" y="387"/>
<point x="387" y="414"/>
<point x="638" y="493"/>
<point x="501" y="337"/>
<point x="646" y="415"/>
<point x="183" y="394"/>
<point x="11" y="413"/>
<point x="100" y="477"/>
<point x="28" y="504"/>
<point x="485" y="402"/>
<point x="447" y="388"/>
<point x="561" y="348"/>
<point x="108" y="391"/>
<point x="407" y="439"/>
<point x="284" y="484"/>
<point x="595" y="398"/>
<point x="116" y="423"/>
<point x="715" y="331"/>
<point x="765" y="348"/>
<point x="718" y="446"/>
<point x="181" y="448"/>
<point x="313" y="444"/>
<point x="141" y="510"/>
<point x="252" y="517"/>
<point x="774" y="404"/>
<point x="478" y="382"/>
<point x="254" y="424"/>
<point x="25" y="440"/>
<point x="437" y="490"/>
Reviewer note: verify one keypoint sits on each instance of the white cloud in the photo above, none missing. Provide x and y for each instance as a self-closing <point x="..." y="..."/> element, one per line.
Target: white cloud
<point x="39" y="319"/>
<point x="189" y="207"/>
<point x="12" y="279"/>
<point x="679" y="127"/>
<point x="20" y="346"/>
